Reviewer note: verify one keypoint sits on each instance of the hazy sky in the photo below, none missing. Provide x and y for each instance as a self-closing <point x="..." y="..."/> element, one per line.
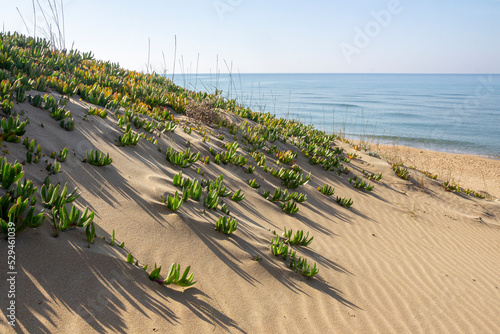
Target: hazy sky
<point x="365" y="36"/>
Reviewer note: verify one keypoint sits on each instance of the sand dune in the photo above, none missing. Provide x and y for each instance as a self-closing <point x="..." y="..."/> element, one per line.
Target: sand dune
<point x="402" y="259"/>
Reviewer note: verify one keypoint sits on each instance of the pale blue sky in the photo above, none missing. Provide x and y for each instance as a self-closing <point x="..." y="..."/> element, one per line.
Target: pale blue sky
<point x="459" y="36"/>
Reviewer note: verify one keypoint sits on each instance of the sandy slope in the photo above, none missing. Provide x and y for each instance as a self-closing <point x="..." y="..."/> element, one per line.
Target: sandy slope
<point x="402" y="259"/>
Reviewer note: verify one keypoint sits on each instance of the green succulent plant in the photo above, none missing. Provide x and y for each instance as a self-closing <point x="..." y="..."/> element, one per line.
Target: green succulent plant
<point x="173" y="202"/>
<point x="13" y="217"/>
<point x="253" y="183"/>
<point x="212" y="199"/>
<point x="279" y="247"/>
<point x="51" y="197"/>
<point x="226" y="225"/>
<point x="68" y="124"/>
<point x="360" y="183"/>
<point x="10" y="173"/>
<point x="129" y="138"/>
<point x="372" y="176"/>
<point x="97" y="158"/>
<point x="13" y="129"/>
<point x="298" y="238"/>
<point x="326" y="190"/>
<point x="63" y="154"/>
<point x="300" y="265"/>
<point x="290" y="207"/>
<point x="343" y="201"/>
<point x="400" y="171"/>
<point x="238" y="195"/>
<point x="172" y="277"/>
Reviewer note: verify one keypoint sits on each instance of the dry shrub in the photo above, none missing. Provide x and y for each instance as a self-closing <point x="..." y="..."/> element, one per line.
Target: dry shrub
<point x="202" y="112"/>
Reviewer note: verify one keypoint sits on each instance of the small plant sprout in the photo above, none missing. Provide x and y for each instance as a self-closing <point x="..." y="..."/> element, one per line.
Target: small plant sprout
<point x="68" y="124"/>
<point x="129" y="138"/>
<point x="51" y="197"/>
<point x="54" y="167"/>
<point x="345" y="202"/>
<point x="400" y="171"/>
<point x="179" y="181"/>
<point x="130" y="258"/>
<point x="372" y="176"/>
<point x="279" y="247"/>
<point x="300" y="265"/>
<point x="195" y="190"/>
<point x="290" y="207"/>
<point x="451" y="186"/>
<point x="13" y="129"/>
<point x="300" y="198"/>
<point x="63" y="154"/>
<point x="10" y="173"/>
<point x="298" y="239"/>
<point x="226" y="225"/>
<point x="97" y="158"/>
<point x="326" y="190"/>
<point x="173" y="276"/>
<point x="253" y="183"/>
<point x="173" y="202"/>
<point x="360" y="183"/>
<point x="212" y="200"/>
<point x="250" y="169"/>
<point x="225" y="210"/>
<point x="238" y="196"/>
<point x="286" y="156"/>
<point x="276" y="195"/>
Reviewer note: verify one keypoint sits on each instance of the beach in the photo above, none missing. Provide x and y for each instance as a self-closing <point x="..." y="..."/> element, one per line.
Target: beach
<point x="394" y="254"/>
<point x="402" y="259"/>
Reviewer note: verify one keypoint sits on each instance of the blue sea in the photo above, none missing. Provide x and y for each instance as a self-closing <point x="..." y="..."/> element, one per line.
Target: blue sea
<point x="458" y="113"/>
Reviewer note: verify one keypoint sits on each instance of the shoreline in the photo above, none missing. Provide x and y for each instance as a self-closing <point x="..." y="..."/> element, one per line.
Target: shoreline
<point x="470" y="171"/>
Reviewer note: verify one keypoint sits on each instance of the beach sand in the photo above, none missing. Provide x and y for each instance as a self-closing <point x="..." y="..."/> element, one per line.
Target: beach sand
<point x="407" y="257"/>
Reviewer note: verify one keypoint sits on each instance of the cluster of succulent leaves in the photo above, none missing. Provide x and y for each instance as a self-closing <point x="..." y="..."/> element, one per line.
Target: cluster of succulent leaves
<point x="372" y="176"/>
<point x="54" y="167"/>
<point x="17" y="206"/>
<point x="56" y="201"/>
<point x="190" y="189"/>
<point x="327" y="190"/>
<point x="32" y="155"/>
<point x="360" y="183"/>
<point x="97" y="158"/>
<point x="101" y="112"/>
<point x="291" y="178"/>
<point x="455" y="187"/>
<point x="345" y="202"/>
<point x="298" y="238"/>
<point x="182" y="159"/>
<point x="13" y="129"/>
<point x="400" y="171"/>
<point x="284" y="196"/>
<point x="173" y="275"/>
<point x="253" y="183"/>
<point x="173" y="202"/>
<point x="286" y="156"/>
<point x="129" y="138"/>
<point x="226" y="225"/>
<point x="229" y="156"/>
<point x="282" y="247"/>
